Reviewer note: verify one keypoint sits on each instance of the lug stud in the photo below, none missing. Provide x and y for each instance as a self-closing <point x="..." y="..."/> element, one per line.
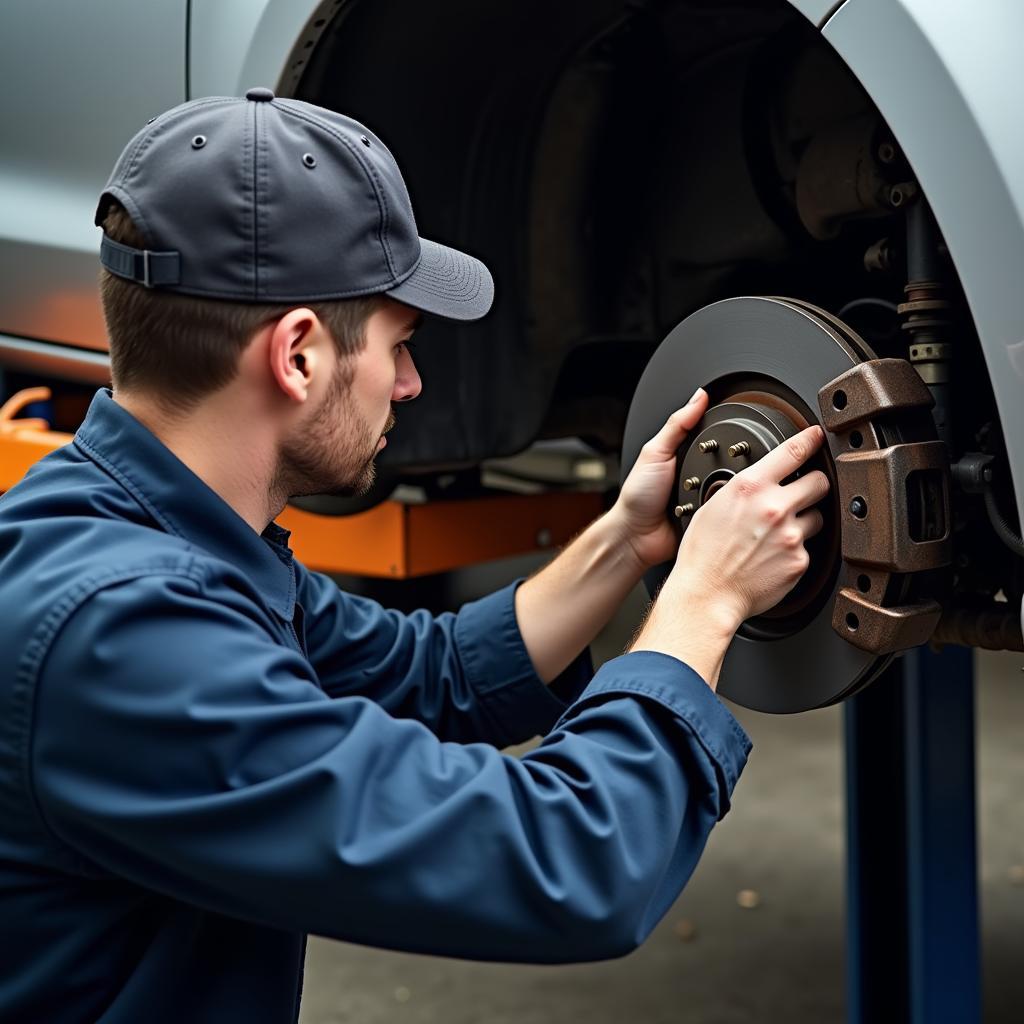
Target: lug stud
<point x="684" y="510"/>
<point x="708" y="446"/>
<point x="740" y="448"/>
<point x="691" y="483"/>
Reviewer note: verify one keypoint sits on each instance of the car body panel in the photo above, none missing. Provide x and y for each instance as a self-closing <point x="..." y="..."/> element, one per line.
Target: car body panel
<point x="969" y="159"/>
<point x="58" y="149"/>
<point x="237" y="44"/>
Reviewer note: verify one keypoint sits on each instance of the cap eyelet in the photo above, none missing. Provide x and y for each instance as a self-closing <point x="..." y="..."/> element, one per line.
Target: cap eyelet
<point x="309" y="160"/>
<point x="364" y="140"/>
<point x="198" y="141"/>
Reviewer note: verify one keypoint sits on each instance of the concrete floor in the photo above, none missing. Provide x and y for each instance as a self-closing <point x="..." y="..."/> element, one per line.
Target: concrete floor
<point x="712" y="961"/>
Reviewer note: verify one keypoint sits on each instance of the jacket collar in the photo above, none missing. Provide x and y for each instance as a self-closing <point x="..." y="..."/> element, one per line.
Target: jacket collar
<point x="181" y="504"/>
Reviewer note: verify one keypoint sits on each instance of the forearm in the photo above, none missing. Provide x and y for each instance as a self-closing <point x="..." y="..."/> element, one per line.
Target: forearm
<point x="695" y="631"/>
<point x="563" y="607"/>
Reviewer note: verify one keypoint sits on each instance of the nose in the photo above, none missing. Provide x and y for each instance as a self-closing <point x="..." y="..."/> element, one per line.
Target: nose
<point x="407" y="380"/>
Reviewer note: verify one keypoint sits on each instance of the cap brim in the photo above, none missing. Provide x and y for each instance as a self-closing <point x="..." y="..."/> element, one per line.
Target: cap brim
<point x="447" y="283"/>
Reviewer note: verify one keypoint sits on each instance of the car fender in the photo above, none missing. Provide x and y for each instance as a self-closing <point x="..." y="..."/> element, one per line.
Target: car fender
<point x="943" y="75"/>
<point x="237" y="44"/>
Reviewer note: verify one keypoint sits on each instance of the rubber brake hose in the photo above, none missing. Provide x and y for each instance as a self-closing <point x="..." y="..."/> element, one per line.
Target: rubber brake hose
<point x="1001" y="526"/>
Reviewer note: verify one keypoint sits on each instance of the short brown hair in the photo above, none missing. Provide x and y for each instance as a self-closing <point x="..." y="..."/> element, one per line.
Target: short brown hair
<point x="181" y="348"/>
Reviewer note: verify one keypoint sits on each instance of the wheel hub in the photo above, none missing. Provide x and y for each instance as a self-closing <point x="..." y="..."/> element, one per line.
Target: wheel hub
<point x="735" y="435"/>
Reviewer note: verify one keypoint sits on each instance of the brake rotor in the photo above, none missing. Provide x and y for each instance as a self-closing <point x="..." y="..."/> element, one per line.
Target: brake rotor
<point x="762" y="362"/>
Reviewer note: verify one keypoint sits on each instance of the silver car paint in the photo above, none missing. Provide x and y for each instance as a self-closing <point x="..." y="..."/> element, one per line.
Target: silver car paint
<point x="237" y="44"/>
<point x="92" y="79"/>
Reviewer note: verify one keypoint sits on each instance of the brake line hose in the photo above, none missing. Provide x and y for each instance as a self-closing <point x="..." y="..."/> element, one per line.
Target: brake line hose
<point x="1001" y="526"/>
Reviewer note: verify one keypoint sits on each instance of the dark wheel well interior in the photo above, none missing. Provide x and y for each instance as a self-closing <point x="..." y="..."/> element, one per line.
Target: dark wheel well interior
<point x="618" y="164"/>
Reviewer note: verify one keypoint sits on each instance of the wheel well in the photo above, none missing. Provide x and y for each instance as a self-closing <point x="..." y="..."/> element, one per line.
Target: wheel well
<point x="617" y="164"/>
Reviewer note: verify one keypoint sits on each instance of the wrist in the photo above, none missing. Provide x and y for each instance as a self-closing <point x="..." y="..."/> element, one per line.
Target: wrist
<point x="704" y="602"/>
<point x="690" y="619"/>
<point x="690" y="627"/>
<point x="616" y="537"/>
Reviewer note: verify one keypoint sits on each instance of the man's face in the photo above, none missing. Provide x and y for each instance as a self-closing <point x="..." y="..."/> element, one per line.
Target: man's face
<point x="333" y="452"/>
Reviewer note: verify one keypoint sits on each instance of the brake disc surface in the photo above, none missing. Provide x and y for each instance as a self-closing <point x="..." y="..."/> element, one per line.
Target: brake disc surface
<point x="762" y="362"/>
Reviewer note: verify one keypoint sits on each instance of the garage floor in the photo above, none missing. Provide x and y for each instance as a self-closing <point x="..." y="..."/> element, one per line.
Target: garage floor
<point x="711" y="960"/>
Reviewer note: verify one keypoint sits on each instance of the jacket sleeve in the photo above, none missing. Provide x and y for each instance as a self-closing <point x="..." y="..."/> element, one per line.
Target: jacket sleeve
<point x="468" y="676"/>
<point x="176" y="746"/>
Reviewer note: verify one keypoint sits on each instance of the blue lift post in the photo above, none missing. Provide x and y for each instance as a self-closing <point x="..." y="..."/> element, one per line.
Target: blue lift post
<point x="913" y="939"/>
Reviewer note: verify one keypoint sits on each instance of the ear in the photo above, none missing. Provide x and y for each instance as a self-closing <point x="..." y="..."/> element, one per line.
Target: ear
<point x="296" y="352"/>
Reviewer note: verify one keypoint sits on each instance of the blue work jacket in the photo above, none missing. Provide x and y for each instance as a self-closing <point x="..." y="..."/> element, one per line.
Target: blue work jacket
<point x="208" y="751"/>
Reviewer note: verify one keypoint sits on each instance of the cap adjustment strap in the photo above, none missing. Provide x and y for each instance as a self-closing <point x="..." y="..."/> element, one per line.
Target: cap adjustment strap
<point x="143" y="266"/>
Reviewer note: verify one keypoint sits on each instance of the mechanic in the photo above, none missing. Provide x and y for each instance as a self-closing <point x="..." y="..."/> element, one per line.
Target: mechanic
<point x="209" y="751"/>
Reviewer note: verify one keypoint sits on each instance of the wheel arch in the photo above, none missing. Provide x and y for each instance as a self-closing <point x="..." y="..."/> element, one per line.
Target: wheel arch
<point x="970" y="163"/>
<point x="236" y="44"/>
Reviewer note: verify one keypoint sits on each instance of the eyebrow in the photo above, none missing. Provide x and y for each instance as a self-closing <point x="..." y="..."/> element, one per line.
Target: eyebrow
<point x="414" y="323"/>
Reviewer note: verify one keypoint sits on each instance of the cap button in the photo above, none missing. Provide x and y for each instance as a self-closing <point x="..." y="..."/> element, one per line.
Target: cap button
<point x="260" y="93"/>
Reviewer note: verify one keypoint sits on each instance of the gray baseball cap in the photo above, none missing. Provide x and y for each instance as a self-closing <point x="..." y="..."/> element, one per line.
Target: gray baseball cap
<point x="264" y="199"/>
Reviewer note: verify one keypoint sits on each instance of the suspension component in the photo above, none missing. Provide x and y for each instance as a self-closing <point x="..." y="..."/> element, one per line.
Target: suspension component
<point x="993" y="628"/>
<point x="928" y="313"/>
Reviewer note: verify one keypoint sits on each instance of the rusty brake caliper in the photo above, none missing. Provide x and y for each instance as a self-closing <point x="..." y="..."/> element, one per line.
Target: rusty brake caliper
<point x="894" y="486"/>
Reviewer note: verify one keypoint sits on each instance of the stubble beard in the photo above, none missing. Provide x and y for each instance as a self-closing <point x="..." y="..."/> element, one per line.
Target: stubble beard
<point x="337" y="449"/>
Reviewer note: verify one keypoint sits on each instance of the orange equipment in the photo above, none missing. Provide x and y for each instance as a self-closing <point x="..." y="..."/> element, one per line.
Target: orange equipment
<point x="393" y="539"/>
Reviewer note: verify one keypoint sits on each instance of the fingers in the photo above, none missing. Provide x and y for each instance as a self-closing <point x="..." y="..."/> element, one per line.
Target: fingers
<point x="665" y="443"/>
<point x="806" y="491"/>
<point x="789" y="456"/>
<point x="810" y="523"/>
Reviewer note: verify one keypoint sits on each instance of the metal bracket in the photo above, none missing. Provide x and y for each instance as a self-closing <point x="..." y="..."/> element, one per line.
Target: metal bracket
<point x="872" y="627"/>
<point x="883" y="482"/>
<point x="895" y="505"/>
<point x="871" y="389"/>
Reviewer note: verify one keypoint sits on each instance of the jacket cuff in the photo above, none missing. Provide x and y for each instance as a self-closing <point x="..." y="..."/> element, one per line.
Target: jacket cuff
<point x="498" y="667"/>
<point x="671" y="683"/>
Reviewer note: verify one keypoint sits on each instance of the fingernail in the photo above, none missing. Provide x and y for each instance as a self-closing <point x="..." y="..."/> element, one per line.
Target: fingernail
<point x="696" y="395"/>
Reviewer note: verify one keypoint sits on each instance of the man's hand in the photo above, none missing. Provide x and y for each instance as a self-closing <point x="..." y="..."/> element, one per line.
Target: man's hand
<point x="639" y="511"/>
<point x="742" y="553"/>
<point x="745" y="546"/>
